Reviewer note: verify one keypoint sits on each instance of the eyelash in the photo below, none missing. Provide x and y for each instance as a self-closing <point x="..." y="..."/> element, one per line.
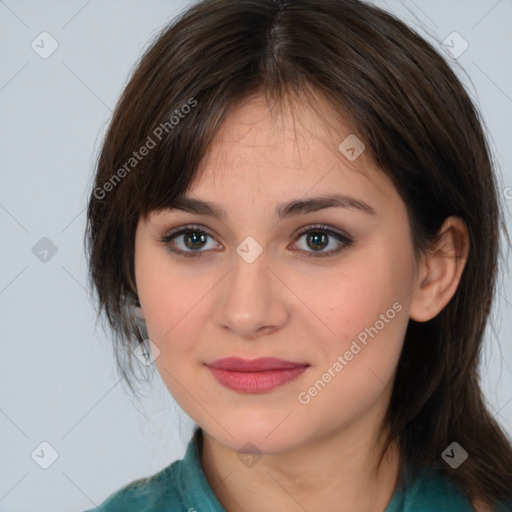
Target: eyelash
<point x="317" y="228"/>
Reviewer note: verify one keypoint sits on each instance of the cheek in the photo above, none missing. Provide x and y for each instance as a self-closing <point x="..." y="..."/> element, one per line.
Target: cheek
<point x="365" y="308"/>
<point x="352" y="298"/>
<point x="171" y="301"/>
<point x="154" y="285"/>
<point x="367" y="314"/>
<point x="171" y="298"/>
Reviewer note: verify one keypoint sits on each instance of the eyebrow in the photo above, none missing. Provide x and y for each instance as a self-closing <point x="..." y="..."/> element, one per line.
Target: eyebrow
<point x="288" y="209"/>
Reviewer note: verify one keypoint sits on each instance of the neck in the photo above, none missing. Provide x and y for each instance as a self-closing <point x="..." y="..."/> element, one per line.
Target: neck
<point x="336" y="471"/>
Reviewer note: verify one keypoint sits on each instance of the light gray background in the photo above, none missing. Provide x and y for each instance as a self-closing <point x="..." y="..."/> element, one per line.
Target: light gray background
<point x="59" y="383"/>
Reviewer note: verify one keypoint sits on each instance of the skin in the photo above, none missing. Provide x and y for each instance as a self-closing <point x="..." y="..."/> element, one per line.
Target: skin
<point x="321" y="455"/>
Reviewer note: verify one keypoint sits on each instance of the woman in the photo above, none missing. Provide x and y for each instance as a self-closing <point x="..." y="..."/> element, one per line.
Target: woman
<point x="295" y="216"/>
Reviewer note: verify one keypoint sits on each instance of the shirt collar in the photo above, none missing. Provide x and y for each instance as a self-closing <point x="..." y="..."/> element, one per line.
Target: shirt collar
<point x="196" y="493"/>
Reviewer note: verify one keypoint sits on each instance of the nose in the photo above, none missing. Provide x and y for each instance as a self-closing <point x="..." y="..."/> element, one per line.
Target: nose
<point x="251" y="301"/>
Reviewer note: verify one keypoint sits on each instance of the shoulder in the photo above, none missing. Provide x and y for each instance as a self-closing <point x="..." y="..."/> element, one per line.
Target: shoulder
<point x="173" y="489"/>
<point x="430" y="490"/>
<point x="157" y="493"/>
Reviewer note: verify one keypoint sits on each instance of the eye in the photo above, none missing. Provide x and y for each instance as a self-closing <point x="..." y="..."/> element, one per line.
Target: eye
<point x="319" y="237"/>
<point x="190" y="240"/>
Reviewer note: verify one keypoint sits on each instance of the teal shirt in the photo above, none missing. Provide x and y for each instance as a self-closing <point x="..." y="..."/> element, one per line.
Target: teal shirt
<point x="182" y="487"/>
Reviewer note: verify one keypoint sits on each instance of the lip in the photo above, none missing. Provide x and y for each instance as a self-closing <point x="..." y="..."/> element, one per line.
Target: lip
<point x="255" y="375"/>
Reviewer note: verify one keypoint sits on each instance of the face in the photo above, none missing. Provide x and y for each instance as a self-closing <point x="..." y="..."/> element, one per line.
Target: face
<point x="326" y="288"/>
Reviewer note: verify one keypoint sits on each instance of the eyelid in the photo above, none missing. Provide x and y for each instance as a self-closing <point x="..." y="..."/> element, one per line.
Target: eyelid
<point x="321" y="227"/>
<point x="342" y="238"/>
<point x="180" y="230"/>
<point x="186" y="227"/>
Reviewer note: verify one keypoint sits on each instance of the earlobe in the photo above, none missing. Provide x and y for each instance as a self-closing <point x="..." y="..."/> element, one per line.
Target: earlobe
<point x="137" y="312"/>
<point x="440" y="271"/>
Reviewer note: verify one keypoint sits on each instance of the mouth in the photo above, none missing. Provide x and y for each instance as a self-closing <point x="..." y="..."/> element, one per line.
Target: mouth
<point x="257" y="375"/>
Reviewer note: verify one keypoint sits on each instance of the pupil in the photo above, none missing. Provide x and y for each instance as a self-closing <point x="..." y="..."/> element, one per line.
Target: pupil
<point x="197" y="239"/>
<point x="318" y="239"/>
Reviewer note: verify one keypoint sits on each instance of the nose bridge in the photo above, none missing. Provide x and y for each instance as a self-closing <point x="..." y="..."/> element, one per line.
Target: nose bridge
<point x="250" y="299"/>
<point x="248" y="280"/>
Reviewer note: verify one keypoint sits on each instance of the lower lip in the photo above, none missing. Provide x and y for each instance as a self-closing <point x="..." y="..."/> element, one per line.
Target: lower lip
<point x="256" y="382"/>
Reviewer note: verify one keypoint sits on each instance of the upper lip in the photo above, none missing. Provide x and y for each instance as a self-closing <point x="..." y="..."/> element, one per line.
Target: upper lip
<point x="254" y="365"/>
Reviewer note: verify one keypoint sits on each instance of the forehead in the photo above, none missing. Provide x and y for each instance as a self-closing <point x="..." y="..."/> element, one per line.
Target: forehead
<point x="288" y="151"/>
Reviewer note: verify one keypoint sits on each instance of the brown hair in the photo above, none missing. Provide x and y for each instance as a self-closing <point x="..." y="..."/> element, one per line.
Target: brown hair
<point x="419" y="127"/>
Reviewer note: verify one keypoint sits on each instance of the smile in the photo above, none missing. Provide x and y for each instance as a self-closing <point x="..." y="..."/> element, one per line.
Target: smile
<point x="255" y="376"/>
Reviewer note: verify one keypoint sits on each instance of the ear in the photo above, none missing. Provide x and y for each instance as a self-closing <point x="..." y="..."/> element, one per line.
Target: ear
<point x="440" y="271"/>
<point x="137" y="311"/>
